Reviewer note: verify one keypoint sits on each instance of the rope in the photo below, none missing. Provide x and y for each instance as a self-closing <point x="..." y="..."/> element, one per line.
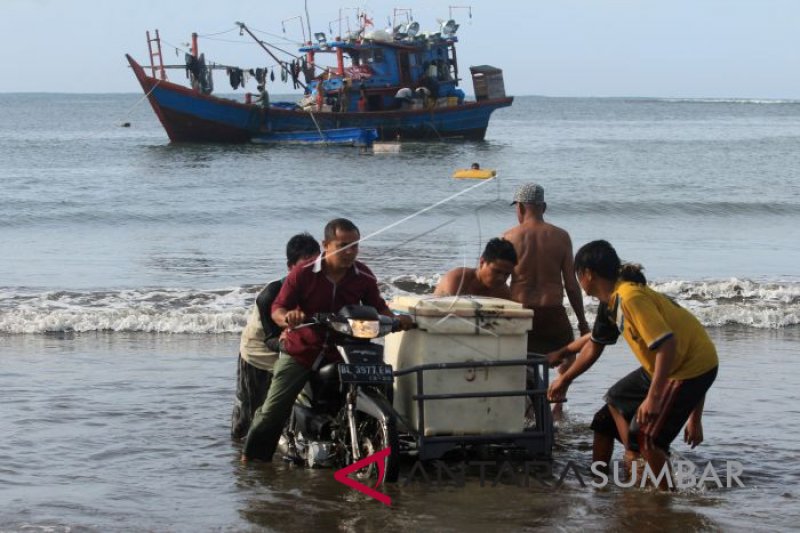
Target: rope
<point x="409" y="217"/>
<point x="229" y="41"/>
<point x="219" y="32"/>
<point x="423" y="210"/>
<point x="281" y="37"/>
<point x="142" y="98"/>
<point x="321" y="135"/>
<point x="433" y="127"/>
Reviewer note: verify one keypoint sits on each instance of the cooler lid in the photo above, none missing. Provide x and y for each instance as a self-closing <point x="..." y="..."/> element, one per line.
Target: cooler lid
<point x="466" y="306"/>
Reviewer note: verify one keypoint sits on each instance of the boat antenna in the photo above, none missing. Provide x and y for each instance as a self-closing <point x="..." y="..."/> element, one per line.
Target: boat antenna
<point x="468" y="8"/>
<point x="346" y="18"/>
<point x="302" y="27"/>
<point x="406" y="11"/>
<point x="308" y="20"/>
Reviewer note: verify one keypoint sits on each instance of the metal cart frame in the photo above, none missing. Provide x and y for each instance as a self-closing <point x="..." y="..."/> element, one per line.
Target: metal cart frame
<point x="536" y="441"/>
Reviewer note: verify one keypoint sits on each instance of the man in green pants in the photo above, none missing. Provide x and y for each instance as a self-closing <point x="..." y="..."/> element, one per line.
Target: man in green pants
<point x="334" y="280"/>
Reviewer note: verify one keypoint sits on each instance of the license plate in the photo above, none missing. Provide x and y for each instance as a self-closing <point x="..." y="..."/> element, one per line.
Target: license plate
<point x="365" y="373"/>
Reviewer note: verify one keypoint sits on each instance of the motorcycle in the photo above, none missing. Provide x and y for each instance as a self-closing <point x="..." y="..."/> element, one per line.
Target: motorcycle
<point x="345" y="410"/>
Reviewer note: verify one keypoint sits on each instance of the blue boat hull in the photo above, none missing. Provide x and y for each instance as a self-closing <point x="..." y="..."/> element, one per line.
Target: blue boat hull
<point x="188" y="116"/>
<point x="340" y="136"/>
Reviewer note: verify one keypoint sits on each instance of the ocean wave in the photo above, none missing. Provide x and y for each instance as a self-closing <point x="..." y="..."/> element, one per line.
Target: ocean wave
<point x="754" y="101"/>
<point x="19" y="214"/>
<point x="762" y="305"/>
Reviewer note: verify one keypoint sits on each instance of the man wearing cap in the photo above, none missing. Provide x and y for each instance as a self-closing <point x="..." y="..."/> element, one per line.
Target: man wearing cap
<point x="543" y="273"/>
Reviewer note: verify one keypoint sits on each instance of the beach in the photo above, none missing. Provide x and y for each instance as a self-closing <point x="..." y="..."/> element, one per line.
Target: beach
<point x="130" y="265"/>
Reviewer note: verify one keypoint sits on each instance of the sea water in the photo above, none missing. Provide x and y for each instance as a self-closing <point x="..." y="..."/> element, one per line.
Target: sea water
<point x="128" y="265"/>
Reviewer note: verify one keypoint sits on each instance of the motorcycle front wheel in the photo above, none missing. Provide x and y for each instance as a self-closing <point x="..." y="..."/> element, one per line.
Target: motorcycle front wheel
<point x="375" y="435"/>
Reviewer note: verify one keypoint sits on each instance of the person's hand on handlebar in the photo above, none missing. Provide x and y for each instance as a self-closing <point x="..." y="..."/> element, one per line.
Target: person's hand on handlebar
<point x="406" y="322"/>
<point x="295" y="317"/>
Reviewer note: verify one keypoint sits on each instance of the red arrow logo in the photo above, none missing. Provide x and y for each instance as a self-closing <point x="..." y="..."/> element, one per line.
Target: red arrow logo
<point x="377" y="457"/>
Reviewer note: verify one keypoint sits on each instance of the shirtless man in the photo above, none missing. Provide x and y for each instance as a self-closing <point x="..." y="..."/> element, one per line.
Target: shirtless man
<point x="489" y="279"/>
<point x="544" y="271"/>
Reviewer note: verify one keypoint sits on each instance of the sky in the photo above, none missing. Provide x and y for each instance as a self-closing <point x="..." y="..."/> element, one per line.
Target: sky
<point x="646" y="48"/>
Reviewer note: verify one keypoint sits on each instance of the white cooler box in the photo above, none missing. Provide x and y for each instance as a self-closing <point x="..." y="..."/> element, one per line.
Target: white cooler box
<point x="461" y="329"/>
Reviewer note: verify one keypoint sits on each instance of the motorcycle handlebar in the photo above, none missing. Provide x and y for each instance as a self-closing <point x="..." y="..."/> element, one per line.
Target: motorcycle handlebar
<point x="320" y="318"/>
<point x="323" y="318"/>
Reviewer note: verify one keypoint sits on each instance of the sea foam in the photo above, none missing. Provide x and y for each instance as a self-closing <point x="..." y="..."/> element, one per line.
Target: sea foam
<point x="763" y="305"/>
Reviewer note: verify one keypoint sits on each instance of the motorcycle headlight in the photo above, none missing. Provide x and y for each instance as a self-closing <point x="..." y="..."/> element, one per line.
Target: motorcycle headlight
<point x="364" y="329"/>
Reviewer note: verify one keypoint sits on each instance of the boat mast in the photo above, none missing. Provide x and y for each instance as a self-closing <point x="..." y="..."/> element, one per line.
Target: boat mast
<point x="308" y="20"/>
<point x="282" y="64"/>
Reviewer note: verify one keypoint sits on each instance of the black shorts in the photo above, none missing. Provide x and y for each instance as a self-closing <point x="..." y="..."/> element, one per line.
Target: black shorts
<point x="627" y="394"/>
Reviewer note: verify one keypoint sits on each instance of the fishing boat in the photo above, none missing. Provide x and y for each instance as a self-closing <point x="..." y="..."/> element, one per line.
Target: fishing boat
<point x="402" y="83"/>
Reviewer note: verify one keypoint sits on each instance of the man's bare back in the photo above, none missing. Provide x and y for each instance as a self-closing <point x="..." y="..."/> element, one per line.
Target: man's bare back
<point x="544" y="272"/>
<point x="544" y="254"/>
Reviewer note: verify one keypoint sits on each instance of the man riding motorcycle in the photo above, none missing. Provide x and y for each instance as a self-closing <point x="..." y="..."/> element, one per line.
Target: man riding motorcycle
<point x="333" y="280"/>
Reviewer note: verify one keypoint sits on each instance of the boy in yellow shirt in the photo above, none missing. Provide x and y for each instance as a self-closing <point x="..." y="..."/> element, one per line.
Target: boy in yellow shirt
<point x="646" y="409"/>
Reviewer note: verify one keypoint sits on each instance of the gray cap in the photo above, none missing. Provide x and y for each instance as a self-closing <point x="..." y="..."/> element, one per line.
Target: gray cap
<point x="529" y="193"/>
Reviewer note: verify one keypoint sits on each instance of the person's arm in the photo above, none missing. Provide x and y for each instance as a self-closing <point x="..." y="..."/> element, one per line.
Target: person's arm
<point x="406" y="322"/>
<point x="591" y="346"/>
<point x="589" y="354"/>
<point x="264" y="300"/>
<point x="451" y="283"/>
<point x="285" y="311"/>
<point x="288" y="318"/>
<point x="556" y="357"/>
<point x="572" y="289"/>
<point x="693" y="434"/>
<point x="652" y="404"/>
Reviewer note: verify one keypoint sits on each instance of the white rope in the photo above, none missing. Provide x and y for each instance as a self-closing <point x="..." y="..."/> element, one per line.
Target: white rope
<point x="142" y="98"/>
<point x="424" y="210"/>
<point x="407" y="218"/>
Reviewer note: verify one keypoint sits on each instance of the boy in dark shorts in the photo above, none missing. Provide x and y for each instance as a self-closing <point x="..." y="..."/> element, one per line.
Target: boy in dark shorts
<point x="646" y="409"/>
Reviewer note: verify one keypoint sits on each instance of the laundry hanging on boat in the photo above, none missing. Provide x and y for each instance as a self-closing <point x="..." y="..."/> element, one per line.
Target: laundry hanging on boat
<point x="208" y="85"/>
<point x="308" y="71"/>
<point x="192" y="67"/>
<point x="198" y="74"/>
<point x="261" y="76"/>
<point x="236" y="77"/>
<point x="295" y="72"/>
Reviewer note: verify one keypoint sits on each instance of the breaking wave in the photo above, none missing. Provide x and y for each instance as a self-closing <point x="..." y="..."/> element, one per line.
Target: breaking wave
<point x="754" y="101"/>
<point x="763" y="305"/>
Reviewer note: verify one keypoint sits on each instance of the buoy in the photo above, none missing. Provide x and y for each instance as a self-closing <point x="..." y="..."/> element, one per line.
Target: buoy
<point x="474" y="174"/>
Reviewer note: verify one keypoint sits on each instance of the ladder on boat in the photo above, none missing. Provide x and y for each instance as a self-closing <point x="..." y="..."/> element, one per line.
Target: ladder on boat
<point x="154" y="54"/>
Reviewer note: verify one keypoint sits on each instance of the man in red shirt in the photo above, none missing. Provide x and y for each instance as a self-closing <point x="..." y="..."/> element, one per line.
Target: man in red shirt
<point x="333" y="280"/>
